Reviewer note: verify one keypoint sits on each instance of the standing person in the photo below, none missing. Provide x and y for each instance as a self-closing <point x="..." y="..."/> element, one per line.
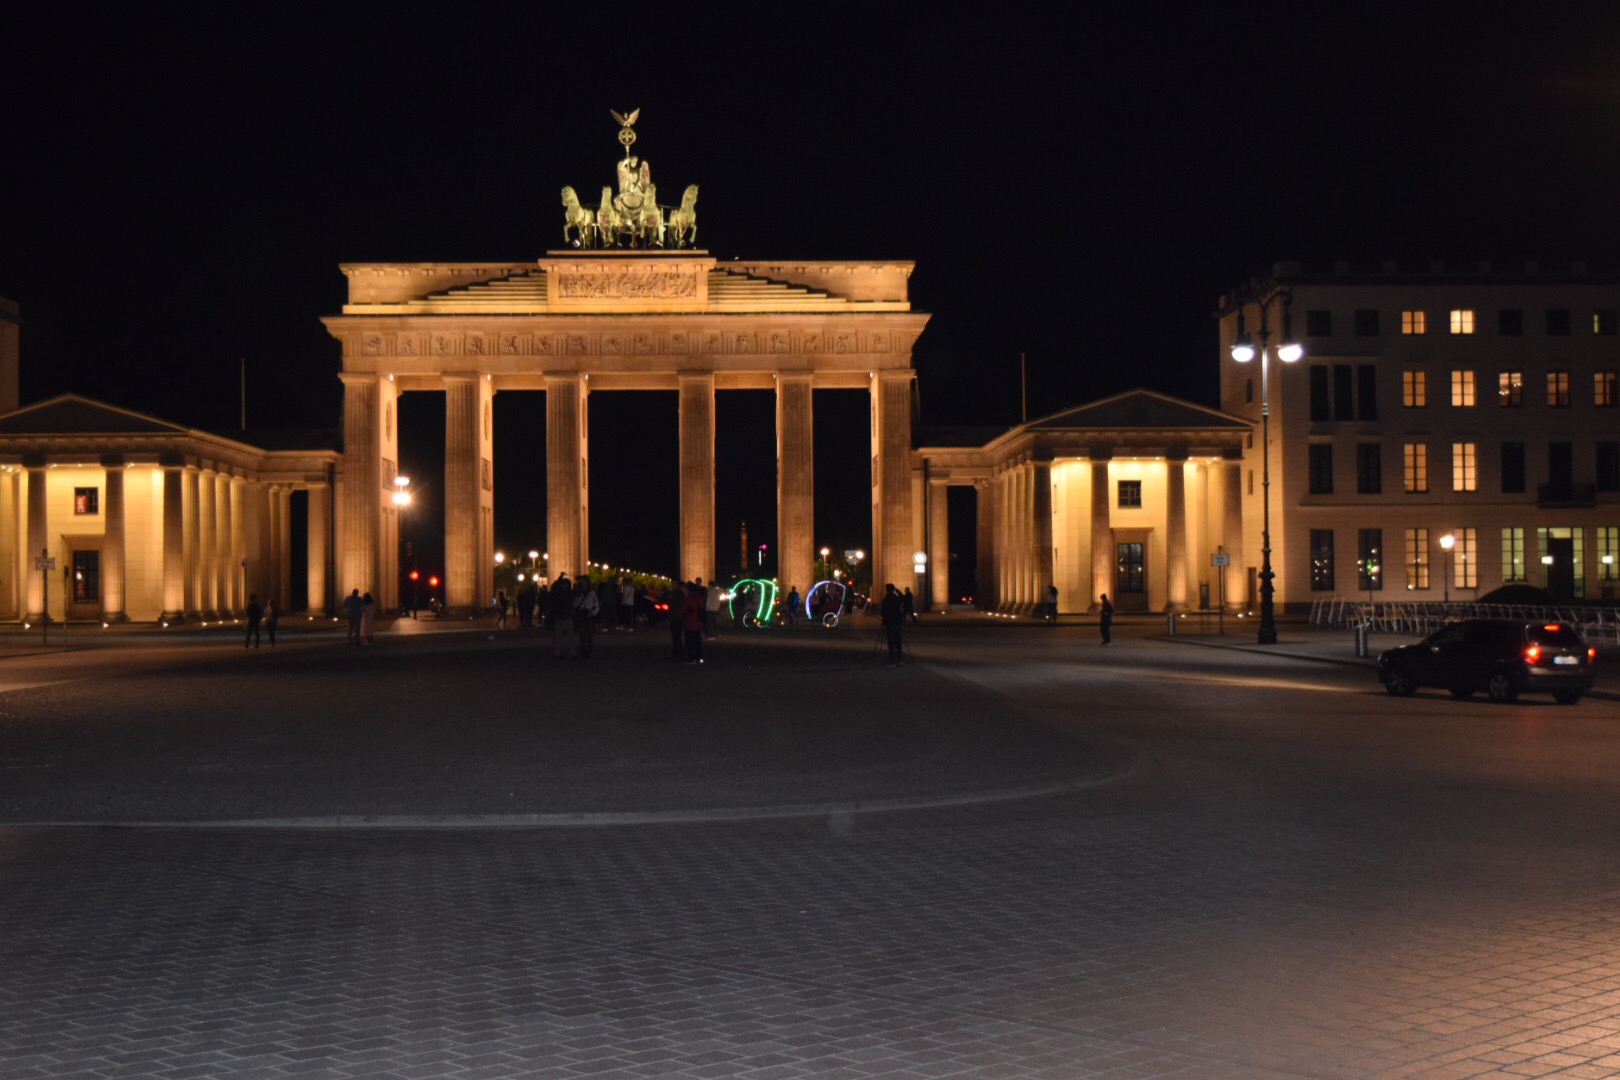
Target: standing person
<point x="1051" y="604"/>
<point x="525" y="606"/>
<point x="909" y="604"/>
<point x="502" y="605"/>
<point x="694" y="620"/>
<point x="542" y="605"/>
<point x="627" y="604"/>
<point x="894" y="620"/>
<point x="368" y="619"/>
<point x="562" y="617"/>
<point x="272" y="615"/>
<point x="711" y="607"/>
<point x="255" y="613"/>
<point x="792" y="605"/>
<point x="354" y="607"/>
<point x="1107" y="620"/>
<point x="674" y="599"/>
<point x="586" y="608"/>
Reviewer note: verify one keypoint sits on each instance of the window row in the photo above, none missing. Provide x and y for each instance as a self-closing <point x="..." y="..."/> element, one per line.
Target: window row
<point x="1465" y="468"/>
<point x="1509" y="389"/>
<point x="1556" y="322"/>
<point x="1561" y="559"/>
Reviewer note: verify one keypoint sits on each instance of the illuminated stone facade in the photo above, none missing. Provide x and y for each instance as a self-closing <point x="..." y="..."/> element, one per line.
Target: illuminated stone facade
<point x="580" y="323"/>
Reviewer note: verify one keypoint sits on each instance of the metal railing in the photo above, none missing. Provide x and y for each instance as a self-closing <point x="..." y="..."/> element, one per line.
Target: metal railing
<point x="1599" y="625"/>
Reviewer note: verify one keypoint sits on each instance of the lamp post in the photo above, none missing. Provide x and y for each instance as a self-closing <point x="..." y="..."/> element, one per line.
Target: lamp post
<point x="1447" y="542"/>
<point x="1288" y="352"/>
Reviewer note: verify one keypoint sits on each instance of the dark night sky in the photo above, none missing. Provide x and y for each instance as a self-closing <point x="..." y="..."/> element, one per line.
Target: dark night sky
<point x="178" y="191"/>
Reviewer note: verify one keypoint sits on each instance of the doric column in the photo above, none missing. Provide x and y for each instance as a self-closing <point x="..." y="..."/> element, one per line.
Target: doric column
<point x="567" y="514"/>
<point x="283" y="499"/>
<point x="1041" y="501"/>
<point x="37" y="543"/>
<point x="795" y="483"/>
<point x="207" y="546"/>
<point x="13" y="578"/>
<point x="469" y="578"/>
<point x="1232" y="535"/>
<point x="360" y="514"/>
<point x="232" y="547"/>
<point x="113" y="586"/>
<point x="986" y="598"/>
<point x="190" y="499"/>
<point x="270" y="541"/>
<point x="254" y="510"/>
<point x="891" y="482"/>
<point x="1176" y="528"/>
<point x="320" y="527"/>
<point x="174" y="543"/>
<point x="697" y="476"/>
<point x="1102" y="534"/>
<point x="1006" y="553"/>
<point x="939" y="545"/>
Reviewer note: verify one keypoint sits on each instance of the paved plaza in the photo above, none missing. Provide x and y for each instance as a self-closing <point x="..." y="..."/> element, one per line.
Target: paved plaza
<point x="1020" y="855"/>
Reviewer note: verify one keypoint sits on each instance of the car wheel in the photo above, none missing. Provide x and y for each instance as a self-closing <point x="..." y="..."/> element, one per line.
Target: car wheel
<point x="1399" y="682"/>
<point x="1501" y="688"/>
<point x="1462" y="693"/>
<point x="1566" y="697"/>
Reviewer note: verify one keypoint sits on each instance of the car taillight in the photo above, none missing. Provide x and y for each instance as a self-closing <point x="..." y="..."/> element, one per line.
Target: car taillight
<point x="1591" y="656"/>
<point x="1533" y="653"/>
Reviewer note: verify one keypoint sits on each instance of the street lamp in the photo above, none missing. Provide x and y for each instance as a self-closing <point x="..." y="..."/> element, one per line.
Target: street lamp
<point x="1288" y="352"/>
<point x="1448" y="542"/>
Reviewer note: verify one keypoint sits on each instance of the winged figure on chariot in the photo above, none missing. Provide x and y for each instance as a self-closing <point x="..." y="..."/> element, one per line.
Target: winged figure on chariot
<point x="632" y="218"/>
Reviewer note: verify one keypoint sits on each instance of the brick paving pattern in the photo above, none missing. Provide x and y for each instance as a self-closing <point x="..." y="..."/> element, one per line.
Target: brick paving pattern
<point x="1335" y="885"/>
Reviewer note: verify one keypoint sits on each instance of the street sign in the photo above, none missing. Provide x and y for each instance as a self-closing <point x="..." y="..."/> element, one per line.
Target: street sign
<point x="1222" y="559"/>
<point x="43" y="563"/>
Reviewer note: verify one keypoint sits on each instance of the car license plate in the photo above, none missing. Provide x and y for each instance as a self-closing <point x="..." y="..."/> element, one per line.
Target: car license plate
<point x="1566" y="659"/>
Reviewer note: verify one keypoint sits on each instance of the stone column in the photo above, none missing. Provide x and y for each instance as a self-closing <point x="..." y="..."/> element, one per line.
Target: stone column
<point x="192" y="544"/>
<point x="1102" y="534"/>
<point x="270" y="541"/>
<point x="891" y="482"/>
<point x="13" y="578"/>
<point x="468" y="491"/>
<point x="232" y="548"/>
<point x="113" y="588"/>
<point x="939" y="545"/>
<point x="1232" y="535"/>
<point x="174" y="544"/>
<point x="566" y="512"/>
<point x="1041" y="478"/>
<point x="37" y="542"/>
<point x="283" y="499"/>
<point x="1176" y="528"/>
<point x="360" y="512"/>
<point x="984" y="492"/>
<point x="207" y="546"/>
<point x="795" y="483"/>
<point x="1006" y="555"/>
<point x="697" y="476"/>
<point x="320" y="526"/>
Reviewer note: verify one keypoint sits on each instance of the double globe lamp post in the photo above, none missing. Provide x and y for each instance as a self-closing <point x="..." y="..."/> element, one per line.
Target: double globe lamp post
<point x="1243" y="351"/>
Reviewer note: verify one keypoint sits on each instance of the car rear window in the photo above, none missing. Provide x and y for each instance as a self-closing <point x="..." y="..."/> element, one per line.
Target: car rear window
<point x="1553" y="634"/>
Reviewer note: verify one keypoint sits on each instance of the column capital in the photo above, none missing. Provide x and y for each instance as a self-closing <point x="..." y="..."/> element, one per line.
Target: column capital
<point x="359" y="378"/>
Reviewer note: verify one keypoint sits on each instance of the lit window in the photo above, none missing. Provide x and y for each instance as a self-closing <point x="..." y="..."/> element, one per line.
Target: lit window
<point x="1462" y="321"/>
<point x="1465" y="559"/>
<point x="1512" y="554"/>
<point x="1608" y="546"/>
<point x="1130" y="493"/>
<point x="1417" y="558"/>
<point x="1603" y="388"/>
<point x="1321" y="560"/>
<point x="1415" y="389"/>
<point x="1416" y="459"/>
<point x="1558" y="388"/>
<point x="1510" y="389"/>
<point x="1462" y="389"/>
<point x="1464" y="466"/>
<point x="1412" y="322"/>
<point x="1369" y="559"/>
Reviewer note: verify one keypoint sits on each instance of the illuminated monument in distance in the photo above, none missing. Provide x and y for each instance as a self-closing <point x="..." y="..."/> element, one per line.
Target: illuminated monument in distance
<point x="625" y="309"/>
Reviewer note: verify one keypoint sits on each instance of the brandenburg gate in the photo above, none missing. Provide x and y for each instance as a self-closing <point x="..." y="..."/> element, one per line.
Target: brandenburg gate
<point x="584" y="322"/>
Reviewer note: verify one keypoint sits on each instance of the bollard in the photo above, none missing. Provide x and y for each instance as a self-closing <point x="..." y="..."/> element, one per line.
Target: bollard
<point x="1170" y="627"/>
<point x="1361" y="639"/>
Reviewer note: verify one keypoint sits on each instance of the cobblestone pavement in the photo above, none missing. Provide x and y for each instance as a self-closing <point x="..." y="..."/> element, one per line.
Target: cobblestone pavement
<point x="1259" y="867"/>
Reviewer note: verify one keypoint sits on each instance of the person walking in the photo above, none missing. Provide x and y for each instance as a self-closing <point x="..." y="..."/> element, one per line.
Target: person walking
<point x="1051" y="604"/>
<point x="354" y="607"/>
<point x="255" y="614"/>
<point x="894" y="621"/>
<point x="368" y="619"/>
<point x="1106" y="620"/>
<point x="711" y="606"/>
<point x="908" y="604"/>
<point x="502" y="606"/>
<point x="627" y="604"/>
<point x="272" y="615"/>
<point x="586" y="608"/>
<point x="791" y="606"/>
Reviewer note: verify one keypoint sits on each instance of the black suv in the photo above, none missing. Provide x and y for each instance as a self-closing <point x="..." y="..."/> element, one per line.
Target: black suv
<point x="1503" y="657"/>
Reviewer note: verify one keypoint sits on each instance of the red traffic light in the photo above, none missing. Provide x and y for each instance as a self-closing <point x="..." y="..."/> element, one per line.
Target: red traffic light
<point x="433" y="582"/>
<point x="414" y="575"/>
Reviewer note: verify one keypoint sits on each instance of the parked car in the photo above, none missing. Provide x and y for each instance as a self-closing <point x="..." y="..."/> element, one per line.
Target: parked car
<point x="1503" y="657"/>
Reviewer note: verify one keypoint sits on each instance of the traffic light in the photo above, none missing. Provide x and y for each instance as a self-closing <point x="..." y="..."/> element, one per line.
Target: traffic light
<point x="433" y="582"/>
<point x="414" y="575"/>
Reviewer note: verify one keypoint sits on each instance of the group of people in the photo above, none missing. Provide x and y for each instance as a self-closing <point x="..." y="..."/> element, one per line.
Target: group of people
<point x="361" y="612"/>
<point x="264" y="615"/>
